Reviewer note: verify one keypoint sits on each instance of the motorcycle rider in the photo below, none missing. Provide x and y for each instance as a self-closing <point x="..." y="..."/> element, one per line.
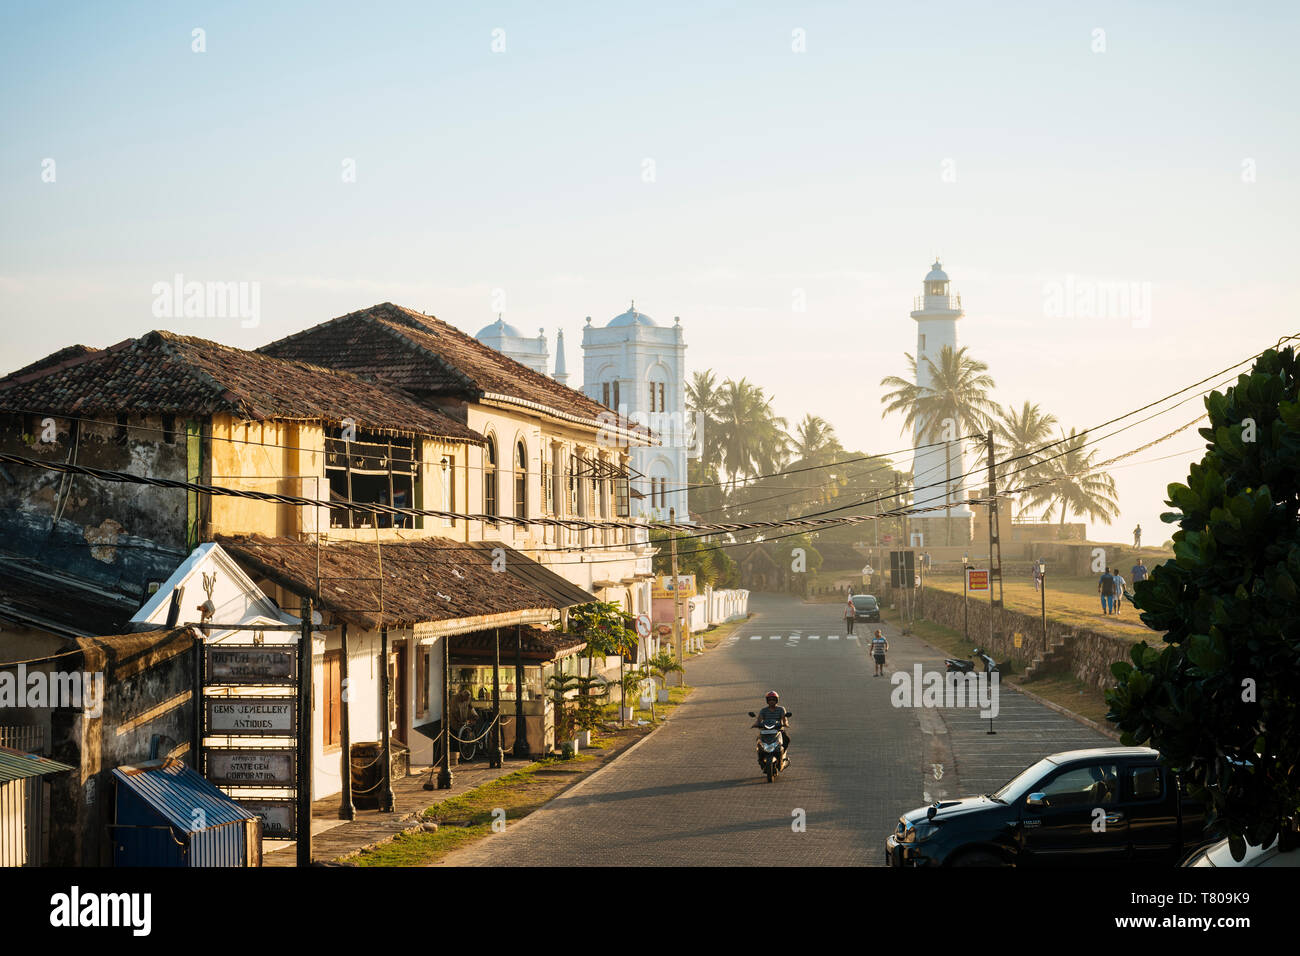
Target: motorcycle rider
<point x="774" y="711"/>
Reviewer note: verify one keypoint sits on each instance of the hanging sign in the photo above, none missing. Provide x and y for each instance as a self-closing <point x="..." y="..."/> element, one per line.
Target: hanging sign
<point x="274" y="664"/>
<point x="251" y="716"/>
<point x="231" y="767"/>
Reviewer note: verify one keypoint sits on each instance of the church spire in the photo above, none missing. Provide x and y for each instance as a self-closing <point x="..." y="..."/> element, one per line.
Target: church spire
<point x="561" y="373"/>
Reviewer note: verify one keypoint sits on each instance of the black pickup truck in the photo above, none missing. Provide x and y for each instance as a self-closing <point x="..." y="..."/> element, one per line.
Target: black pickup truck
<point x="1112" y="806"/>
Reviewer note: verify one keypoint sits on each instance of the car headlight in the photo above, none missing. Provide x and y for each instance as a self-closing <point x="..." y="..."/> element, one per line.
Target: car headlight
<point x="920" y="832"/>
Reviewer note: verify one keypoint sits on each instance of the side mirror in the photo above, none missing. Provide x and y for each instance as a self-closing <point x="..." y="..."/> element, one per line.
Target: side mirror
<point x="752" y="714"/>
<point x="1037" y="800"/>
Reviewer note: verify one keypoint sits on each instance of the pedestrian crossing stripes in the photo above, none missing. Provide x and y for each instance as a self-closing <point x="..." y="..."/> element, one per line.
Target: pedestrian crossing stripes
<point x="792" y="640"/>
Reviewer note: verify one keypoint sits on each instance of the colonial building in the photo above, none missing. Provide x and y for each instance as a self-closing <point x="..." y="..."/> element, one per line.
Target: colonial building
<point x="637" y="367"/>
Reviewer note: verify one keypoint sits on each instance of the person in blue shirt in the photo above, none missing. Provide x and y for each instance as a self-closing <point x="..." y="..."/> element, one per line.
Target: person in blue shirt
<point x="1139" y="572"/>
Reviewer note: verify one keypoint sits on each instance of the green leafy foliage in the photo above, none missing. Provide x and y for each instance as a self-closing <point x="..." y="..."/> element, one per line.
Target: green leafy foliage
<point x="1221" y="699"/>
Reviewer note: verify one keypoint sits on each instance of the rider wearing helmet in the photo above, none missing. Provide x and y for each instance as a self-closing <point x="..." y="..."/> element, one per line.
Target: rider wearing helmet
<point x="774" y="711"/>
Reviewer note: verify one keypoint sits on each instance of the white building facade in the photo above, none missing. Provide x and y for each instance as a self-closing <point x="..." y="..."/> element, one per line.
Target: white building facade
<point x="637" y="367"/>
<point x="937" y="469"/>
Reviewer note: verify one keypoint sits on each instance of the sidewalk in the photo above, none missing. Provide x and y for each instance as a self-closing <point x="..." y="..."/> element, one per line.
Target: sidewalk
<point x="334" y="839"/>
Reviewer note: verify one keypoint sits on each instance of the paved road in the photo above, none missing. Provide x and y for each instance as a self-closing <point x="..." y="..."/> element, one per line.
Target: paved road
<point x="691" y="793"/>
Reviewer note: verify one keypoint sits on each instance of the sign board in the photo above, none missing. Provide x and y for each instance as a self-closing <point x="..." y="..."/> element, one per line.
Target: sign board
<point x="250" y="768"/>
<point x="663" y="586"/>
<point x="902" y="569"/>
<point x="1019" y="639"/>
<point x="643" y="624"/>
<point x="278" y="816"/>
<point x="251" y="716"/>
<point x="977" y="580"/>
<point x="252" y="664"/>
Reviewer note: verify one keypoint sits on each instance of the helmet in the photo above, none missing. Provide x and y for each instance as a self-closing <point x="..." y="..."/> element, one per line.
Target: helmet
<point x="773" y="695"/>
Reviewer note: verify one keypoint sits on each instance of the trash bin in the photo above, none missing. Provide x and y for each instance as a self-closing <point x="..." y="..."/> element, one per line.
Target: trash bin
<point x="367" y="774"/>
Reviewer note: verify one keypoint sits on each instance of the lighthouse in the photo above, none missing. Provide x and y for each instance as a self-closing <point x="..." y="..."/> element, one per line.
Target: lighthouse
<point x="937" y="469"/>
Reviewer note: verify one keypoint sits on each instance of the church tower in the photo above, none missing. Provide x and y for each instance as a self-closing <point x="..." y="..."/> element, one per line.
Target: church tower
<point x="637" y="367"/>
<point x="937" y="470"/>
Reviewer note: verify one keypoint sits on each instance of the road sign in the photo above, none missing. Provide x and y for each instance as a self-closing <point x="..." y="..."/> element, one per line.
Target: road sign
<point x="977" y="580"/>
<point x="1019" y="639"/>
<point x="251" y="664"/>
<point x="643" y="624"/>
<point x="251" y="716"/>
<point x="868" y="571"/>
<point x="902" y="568"/>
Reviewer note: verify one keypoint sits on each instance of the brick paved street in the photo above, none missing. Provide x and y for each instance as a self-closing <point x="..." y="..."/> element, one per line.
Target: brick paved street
<point x="691" y="793"/>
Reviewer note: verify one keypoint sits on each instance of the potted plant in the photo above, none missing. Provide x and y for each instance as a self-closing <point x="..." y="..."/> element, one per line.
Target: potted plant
<point x="631" y="686"/>
<point x="565" y="718"/>
<point x="661" y="666"/>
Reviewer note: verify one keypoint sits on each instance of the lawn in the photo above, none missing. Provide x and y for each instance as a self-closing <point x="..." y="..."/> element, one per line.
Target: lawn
<point x="1071" y="600"/>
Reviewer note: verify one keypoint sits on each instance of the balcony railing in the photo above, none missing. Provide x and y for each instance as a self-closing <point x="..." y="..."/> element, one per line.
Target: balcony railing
<point x="923" y="302"/>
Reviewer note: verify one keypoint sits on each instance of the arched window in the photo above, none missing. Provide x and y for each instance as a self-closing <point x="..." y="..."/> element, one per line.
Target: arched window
<point x="490" y="478"/>
<point x="521" y="481"/>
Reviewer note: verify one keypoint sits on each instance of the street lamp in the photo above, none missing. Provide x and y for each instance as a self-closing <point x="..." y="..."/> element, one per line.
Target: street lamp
<point x="1042" y="590"/>
<point x="965" y="603"/>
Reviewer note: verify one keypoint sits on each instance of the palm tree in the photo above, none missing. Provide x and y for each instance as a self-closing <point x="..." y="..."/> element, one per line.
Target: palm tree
<point x="1020" y="436"/>
<point x="1073" y="484"/>
<point x="703" y="398"/>
<point x="814" y="441"/>
<point x="956" y="390"/>
<point x="752" y="437"/>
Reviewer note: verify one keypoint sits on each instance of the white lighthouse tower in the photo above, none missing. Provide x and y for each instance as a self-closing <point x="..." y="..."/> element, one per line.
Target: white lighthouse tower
<point x="934" y="480"/>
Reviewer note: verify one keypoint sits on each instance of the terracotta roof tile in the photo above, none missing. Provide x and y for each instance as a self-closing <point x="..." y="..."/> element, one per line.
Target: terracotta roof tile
<point x="165" y="373"/>
<point x="430" y="357"/>
<point x="424" y="580"/>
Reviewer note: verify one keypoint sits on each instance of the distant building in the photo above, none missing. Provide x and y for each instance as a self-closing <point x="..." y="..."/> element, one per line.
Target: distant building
<point x="936" y="481"/>
<point x="638" y="368"/>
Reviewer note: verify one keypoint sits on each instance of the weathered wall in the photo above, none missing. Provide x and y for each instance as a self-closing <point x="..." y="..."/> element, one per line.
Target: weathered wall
<point x="283" y="458"/>
<point x="115" y="534"/>
<point x="1086" y="654"/>
<point x="148" y="690"/>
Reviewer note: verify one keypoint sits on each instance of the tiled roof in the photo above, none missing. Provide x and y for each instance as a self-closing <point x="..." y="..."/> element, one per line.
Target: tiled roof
<point x="165" y="373"/>
<point x="430" y="357"/>
<point x="424" y="580"/>
<point x="68" y="355"/>
<point x="50" y="599"/>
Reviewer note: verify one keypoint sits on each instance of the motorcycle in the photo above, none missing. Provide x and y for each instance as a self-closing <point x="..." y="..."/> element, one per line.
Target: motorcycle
<point x="959" y="666"/>
<point x="770" y="747"/>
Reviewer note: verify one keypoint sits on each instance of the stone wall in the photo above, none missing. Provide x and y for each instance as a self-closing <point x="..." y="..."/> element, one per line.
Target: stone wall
<point x="1086" y="654"/>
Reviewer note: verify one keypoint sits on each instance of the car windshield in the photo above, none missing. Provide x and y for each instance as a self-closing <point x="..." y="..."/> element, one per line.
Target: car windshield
<point x="864" y="602"/>
<point x="1019" y="785"/>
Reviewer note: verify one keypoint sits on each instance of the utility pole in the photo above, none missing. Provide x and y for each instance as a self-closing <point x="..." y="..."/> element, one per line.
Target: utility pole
<point x="677" y="596"/>
<point x="995" y="544"/>
<point x="302" y="823"/>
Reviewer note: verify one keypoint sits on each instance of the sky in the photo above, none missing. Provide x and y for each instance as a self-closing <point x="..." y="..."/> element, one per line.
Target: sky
<point x="780" y="176"/>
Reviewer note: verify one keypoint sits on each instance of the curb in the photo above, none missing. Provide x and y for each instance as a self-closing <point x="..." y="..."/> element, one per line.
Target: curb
<point x="1064" y="711"/>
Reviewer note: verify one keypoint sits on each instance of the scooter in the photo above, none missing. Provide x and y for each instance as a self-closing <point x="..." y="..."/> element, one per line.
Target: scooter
<point x="960" y="666"/>
<point x="770" y="747"/>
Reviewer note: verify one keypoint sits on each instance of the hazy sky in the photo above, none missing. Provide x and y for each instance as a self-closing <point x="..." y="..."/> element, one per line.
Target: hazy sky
<point x="690" y="156"/>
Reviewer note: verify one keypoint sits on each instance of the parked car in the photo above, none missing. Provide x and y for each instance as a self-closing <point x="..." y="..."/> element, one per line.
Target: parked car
<point x="1218" y="855"/>
<point x="1110" y="806"/>
<point x="866" y="608"/>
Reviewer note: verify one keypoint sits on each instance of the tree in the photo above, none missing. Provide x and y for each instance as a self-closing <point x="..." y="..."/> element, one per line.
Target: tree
<point x="605" y="627"/>
<point x="814" y="441"/>
<point x="1020" y="434"/>
<point x="752" y="437"/>
<point x="1073" y="483"/>
<point x="1219" y="700"/>
<point x="953" y="396"/>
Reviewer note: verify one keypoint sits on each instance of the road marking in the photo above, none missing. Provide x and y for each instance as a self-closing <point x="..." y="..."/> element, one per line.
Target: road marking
<point x="832" y="637"/>
<point x="853" y="637"/>
<point x="756" y="637"/>
<point x="813" y="637"/>
<point x="775" y="637"/>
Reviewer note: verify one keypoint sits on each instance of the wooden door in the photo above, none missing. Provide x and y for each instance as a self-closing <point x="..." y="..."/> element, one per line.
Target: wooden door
<point x="401" y="694"/>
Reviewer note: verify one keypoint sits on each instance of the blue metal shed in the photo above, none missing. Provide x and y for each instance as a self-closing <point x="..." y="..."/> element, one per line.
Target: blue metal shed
<point x="168" y="815"/>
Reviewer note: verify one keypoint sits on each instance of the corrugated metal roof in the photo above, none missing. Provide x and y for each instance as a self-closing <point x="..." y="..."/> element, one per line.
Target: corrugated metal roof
<point x="15" y="765"/>
<point x="176" y="792"/>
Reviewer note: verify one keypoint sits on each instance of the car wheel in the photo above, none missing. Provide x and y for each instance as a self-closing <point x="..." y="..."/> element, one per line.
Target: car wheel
<point x="979" y="858"/>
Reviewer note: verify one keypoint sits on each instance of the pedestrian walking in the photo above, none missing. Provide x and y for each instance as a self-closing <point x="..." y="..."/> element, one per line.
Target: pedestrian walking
<point x="878" y="648"/>
<point x="1119" y="588"/>
<point x="1137" y="537"/>
<point x="1106" y="588"/>
<point x="849" y="614"/>
<point x="1038" y="578"/>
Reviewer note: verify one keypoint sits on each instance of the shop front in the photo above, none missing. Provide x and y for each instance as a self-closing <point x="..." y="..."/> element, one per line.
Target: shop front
<point x="512" y="665"/>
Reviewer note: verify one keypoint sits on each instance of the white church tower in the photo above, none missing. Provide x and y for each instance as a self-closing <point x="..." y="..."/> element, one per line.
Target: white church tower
<point x="936" y="313"/>
<point x="637" y="367"/>
<point x="525" y="350"/>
